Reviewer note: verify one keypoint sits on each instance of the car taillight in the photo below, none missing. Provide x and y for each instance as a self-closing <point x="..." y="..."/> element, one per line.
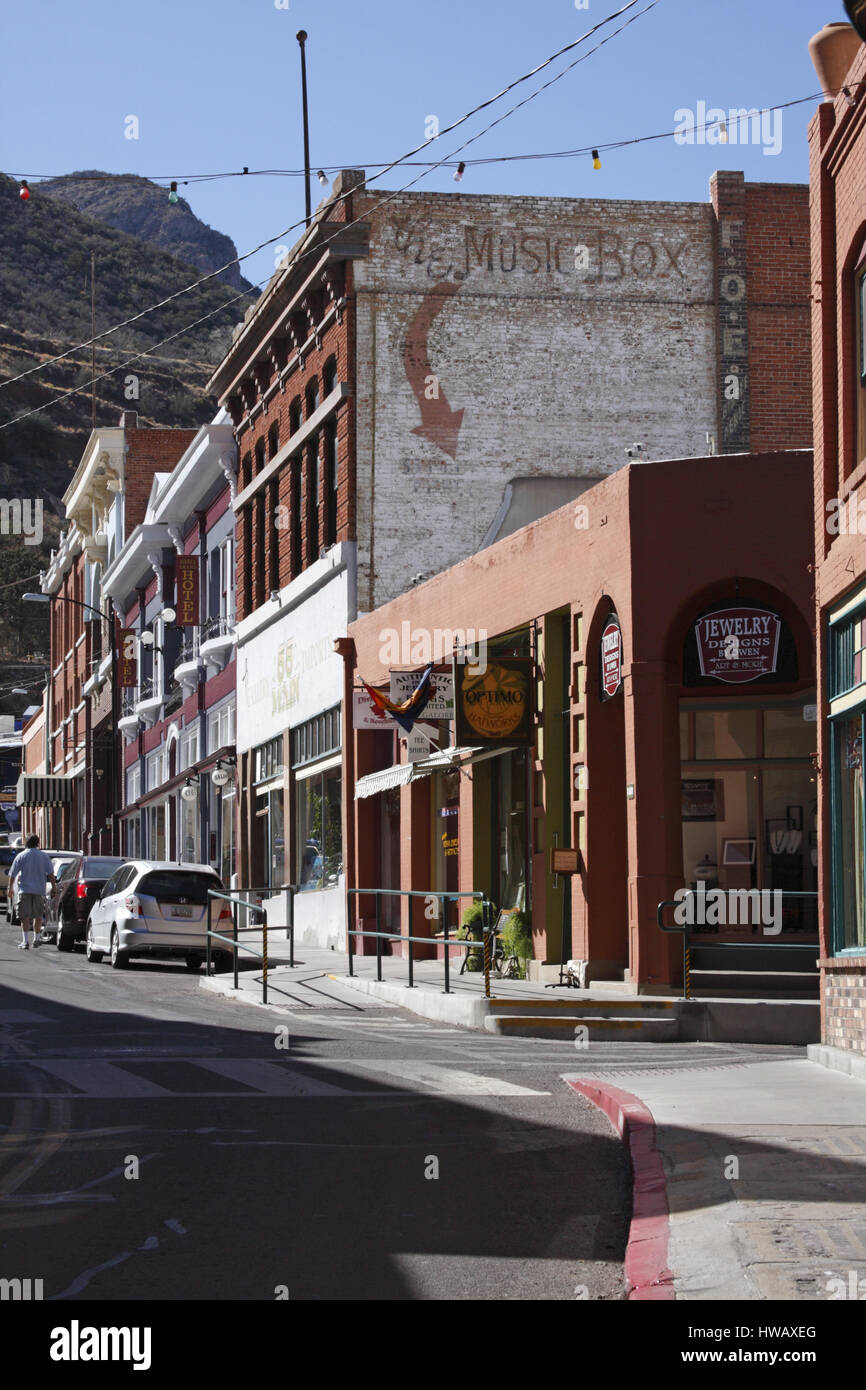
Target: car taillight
<point x="225" y="913"/>
<point x="81" y="890"/>
<point x="133" y="904"/>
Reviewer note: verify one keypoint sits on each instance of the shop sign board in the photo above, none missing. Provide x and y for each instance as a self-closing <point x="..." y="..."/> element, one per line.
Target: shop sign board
<point x="738" y="645"/>
<point x="611" y="658"/>
<point x="494" y="708"/>
<point x="365" y="715"/>
<point x="441" y="702"/>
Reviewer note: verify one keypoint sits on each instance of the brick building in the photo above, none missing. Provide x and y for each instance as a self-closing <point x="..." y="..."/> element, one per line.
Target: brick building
<point x="837" y="136"/>
<point x="677" y="769"/>
<point x="425" y="374"/>
<point x="105" y="500"/>
<point x="173" y="587"/>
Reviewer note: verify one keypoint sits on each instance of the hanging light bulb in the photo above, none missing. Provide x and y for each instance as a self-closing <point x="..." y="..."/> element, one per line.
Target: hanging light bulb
<point x="723" y="132"/>
<point x="24" y="191"/>
<point x="172" y="196"/>
<point x="323" y="178"/>
<point x="458" y="172"/>
<point x="596" y="159"/>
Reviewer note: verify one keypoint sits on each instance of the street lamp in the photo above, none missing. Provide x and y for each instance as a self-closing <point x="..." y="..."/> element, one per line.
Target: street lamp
<point x="109" y="616"/>
<point x="301" y="36"/>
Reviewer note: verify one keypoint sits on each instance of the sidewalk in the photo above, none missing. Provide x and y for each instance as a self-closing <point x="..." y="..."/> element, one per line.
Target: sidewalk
<point x="749" y="1172"/>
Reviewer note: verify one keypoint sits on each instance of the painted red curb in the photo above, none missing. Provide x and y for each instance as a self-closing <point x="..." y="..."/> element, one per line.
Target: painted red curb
<point x="646" y="1257"/>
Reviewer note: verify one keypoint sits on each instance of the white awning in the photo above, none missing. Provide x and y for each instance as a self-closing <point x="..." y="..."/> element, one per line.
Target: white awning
<point x="401" y="773"/>
<point x="43" y="791"/>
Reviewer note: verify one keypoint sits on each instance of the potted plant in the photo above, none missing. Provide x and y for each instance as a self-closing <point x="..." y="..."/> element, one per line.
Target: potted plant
<point x="516" y="937"/>
<point x="470" y="929"/>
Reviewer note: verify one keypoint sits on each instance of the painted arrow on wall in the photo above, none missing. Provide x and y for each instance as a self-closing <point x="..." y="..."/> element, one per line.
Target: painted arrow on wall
<point x="439" y="423"/>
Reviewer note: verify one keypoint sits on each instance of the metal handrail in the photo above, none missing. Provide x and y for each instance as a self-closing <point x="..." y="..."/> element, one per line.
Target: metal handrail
<point x="237" y="901"/>
<point x="444" y="898"/>
<point x="703" y="944"/>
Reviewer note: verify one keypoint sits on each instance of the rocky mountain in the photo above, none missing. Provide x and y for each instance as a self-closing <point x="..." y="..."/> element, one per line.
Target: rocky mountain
<point x="141" y="209"/>
<point x="45" y="259"/>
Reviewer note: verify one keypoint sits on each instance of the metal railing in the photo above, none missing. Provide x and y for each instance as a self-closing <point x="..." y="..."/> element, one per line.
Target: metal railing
<point x="240" y="904"/>
<point x="692" y="940"/>
<point x="483" y="943"/>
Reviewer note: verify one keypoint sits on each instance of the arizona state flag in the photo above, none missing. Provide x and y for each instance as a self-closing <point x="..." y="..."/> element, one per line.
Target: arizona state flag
<point x="410" y="710"/>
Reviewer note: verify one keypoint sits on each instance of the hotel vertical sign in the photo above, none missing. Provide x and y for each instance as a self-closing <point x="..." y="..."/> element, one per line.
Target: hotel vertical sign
<point x="127" y="666"/>
<point x="187" y="591"/>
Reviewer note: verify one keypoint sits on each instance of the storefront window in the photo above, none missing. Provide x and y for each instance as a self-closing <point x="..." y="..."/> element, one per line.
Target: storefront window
<point x="850" y="905"/>
<point x="227" y="837"/>
<point x="753" y="826"/>
<point x="156" y="832"/>
<point x="276" y="842"/>
<point x="445" y="793"/>
<point x="510" y="790"/>
<point x="132" y="837"/>
<point x="189" y="831"/>
<point x="726" y="734"/>
<point x="319" y="831"/>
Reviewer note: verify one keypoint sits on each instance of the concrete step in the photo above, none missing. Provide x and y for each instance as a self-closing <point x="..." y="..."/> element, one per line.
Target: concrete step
<point x="756" y="984"/>
<point x="579" y="1007"/>
<point x="598" y="1029"/>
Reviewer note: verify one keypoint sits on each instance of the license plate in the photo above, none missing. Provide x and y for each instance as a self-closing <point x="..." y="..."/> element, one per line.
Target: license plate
<point x="181" y="912"/>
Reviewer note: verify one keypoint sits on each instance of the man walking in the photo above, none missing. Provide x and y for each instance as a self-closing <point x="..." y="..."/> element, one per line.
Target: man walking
<point x="36" y="869"/>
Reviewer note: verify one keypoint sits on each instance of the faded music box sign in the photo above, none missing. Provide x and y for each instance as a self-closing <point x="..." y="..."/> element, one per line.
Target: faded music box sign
<point x="494" y="707"/>
<point x="737" y="645"/>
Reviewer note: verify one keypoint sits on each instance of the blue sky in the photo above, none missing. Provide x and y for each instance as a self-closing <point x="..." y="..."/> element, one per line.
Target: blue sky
<point x="215" y="85"/>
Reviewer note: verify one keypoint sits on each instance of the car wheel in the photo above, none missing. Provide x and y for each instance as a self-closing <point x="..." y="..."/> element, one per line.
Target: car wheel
<point x="90" y="950"/>
<point x="193" y="962"/>
<point x="119" y="959"/>
<point x="63" y="936"/>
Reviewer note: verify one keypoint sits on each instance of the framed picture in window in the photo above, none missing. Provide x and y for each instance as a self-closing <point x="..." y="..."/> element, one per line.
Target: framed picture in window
<point x="738" y="854"/>
<point x="795" y="817"/>
<point x="702" y="799"/>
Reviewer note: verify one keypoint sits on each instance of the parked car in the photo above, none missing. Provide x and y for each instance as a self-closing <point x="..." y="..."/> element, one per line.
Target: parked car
<point x="78" y="889"/>
<point x="62" y="860"/>
<point x="158" y="909"/>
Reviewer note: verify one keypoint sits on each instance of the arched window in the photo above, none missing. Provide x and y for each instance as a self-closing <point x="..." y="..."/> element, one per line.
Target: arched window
<point x="312" y="397"/>
<point x="329" y="376"/>
<point x="295" y="415"/>
<point x="273" y="439"/>
<point x="260" y="455"/>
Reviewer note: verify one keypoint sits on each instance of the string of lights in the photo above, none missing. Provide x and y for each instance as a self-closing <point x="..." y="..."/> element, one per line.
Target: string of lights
<point x="270" y="241"/>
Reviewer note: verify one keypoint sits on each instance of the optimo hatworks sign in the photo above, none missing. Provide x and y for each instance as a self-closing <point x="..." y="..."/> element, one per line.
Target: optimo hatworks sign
<point x="494" y="707"/>
<point x="737" y="645"/>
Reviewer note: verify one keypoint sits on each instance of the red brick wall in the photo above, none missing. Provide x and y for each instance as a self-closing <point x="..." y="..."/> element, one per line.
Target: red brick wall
<point x="837" y="137"/>
<point x="148" y="452"/>
<point x="780" y="357"/>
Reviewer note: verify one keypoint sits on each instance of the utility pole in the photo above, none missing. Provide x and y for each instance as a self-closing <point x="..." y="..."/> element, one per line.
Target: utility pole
<point x="302" y="38"/>
<point x="93" y="343"/>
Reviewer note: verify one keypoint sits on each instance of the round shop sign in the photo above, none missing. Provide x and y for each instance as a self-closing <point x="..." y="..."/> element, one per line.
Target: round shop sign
<point x="611" y="658"/>
<point x="496" y="703"/>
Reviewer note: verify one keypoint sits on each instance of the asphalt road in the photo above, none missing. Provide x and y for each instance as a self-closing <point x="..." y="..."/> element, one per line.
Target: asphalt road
<point x="162" y="1142"/>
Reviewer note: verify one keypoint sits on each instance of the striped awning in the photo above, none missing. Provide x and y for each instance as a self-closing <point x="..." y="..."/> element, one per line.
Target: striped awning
<point x="444" y="760"/>
<point x="43" y="791"/>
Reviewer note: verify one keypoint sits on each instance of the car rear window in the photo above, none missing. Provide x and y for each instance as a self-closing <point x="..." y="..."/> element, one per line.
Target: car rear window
<point x="64" y="867"/>
<point x="169" y="885"/>
<point x="100" y="868"/>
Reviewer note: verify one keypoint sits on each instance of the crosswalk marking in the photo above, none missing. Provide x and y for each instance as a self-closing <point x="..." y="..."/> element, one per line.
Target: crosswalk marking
<point x="103" y="1079"/>
<point x="446" y="1081"/>
<point x="272" y="1079"/>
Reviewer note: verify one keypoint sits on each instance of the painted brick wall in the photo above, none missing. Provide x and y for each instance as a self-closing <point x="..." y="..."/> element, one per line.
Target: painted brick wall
<point x="557" y="332"/>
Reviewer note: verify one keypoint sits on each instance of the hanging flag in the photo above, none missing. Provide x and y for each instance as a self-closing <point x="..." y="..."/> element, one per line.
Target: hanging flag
<point x="411" y="709"/>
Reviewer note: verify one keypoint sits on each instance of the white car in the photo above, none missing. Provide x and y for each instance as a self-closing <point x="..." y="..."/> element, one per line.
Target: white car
<point x="155" y="908"/>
